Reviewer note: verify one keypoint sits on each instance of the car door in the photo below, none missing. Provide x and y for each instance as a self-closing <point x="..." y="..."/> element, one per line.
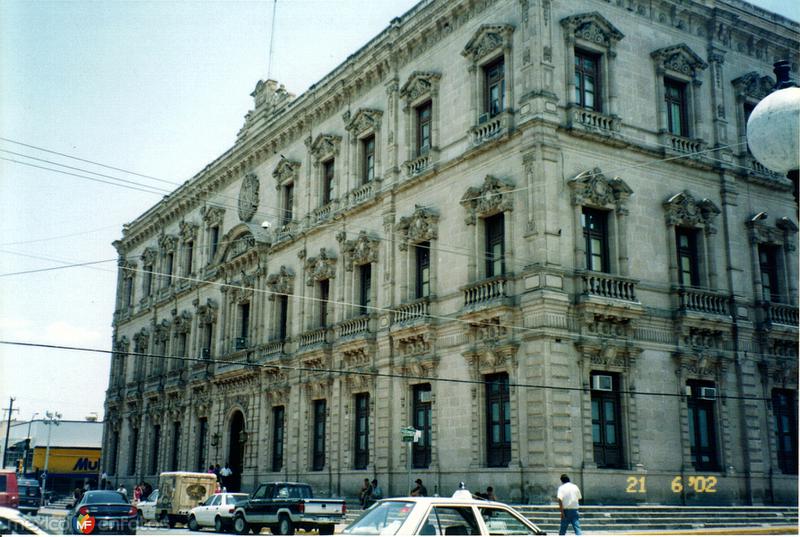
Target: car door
<point x="206" y="513"/>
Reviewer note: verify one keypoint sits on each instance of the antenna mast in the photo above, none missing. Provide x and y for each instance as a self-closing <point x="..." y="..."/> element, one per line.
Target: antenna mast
<point x="271" y="39"/>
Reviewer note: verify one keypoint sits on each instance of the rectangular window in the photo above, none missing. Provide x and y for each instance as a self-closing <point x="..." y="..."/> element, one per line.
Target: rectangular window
<point x="421" y="457"/>
<point x="423" y="269"/>
<point x="147" y="280"/>
<point x="677" y="110"/>
<point x="182" y="340"/>
<point x="283" y="316"/>
<point x="213" y="242"/>
<point x="189" y="257"/>
<point x="688" y="272"/>
<point x="587" y="80"/>
<point x="134" y="451"/>
<point x="244" y="321"/>
<point x="494" y="87"/>
<point x="176" y="444"/>
<point x="277" y="438"/>
<point x="784" y="408"/>
<point x="495" y="247"/>
<point x="702" y="426"/>
<point x="498" y="420"/>
<point x="327" y="181"/>
<point x="318" y="462"/>
<point x="128" y="300"/>
<point x="424" y="128"/>
<point x="154" y="449"/>
<point x="208" y="340"/>
<point x="595" y="234"/>
<point x="169" y="262"/>
<point x="202" y="438"/>
<point x="324" y="297"/>
<point x="368" y="160"/>
<point x="768" y="264"/>
<point x="365" y="288"/>
<point x="606" y="420"/>
<point x="288" y="204"/>
<point x="361" y="451"/>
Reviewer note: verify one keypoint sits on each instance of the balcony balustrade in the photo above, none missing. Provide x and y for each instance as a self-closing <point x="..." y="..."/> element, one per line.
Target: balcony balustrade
<point x="680" y="144"/>
<point x="353" y="327"/>
<point x="419" y="309"/>
<point x="418" y="165"/>
<point x="608" y="286"/>
<point x="785" y="314"/>
<point x="592" y="121"/>
<point x="273" y="348"/>
<point x="489" y="129"/>
<point x="313" y="338"/>
<point x="363" y="193"/>
<point x="703" y="301"/>
<point x="485" y="291"/>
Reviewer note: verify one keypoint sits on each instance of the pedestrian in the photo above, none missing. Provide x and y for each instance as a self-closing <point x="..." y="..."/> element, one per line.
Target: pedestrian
<point x="569" y="496"/>
<point x="137" y="493"/>
<point x="77" y="495"/>
<point x="363" y="496"/>
<point x="376" y="492"/>
<point x="420" y="489"/>
<point x="211" y="469"/>
<point x="123" y="490"/>
<point x="103" y="480"/>
<point x="224" y="476"/>
<point x="147" y="490"/>
<point x="490" y="494"/>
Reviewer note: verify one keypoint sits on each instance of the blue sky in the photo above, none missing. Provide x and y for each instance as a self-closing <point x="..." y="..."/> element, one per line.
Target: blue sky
<point x="159" y="88"/>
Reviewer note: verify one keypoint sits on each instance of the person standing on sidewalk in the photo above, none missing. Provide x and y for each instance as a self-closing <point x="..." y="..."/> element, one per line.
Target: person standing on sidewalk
<point x="569" y="496"/>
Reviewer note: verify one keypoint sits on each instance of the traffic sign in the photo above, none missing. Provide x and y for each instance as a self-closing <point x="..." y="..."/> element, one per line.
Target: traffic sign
<point x="408" y="434"/>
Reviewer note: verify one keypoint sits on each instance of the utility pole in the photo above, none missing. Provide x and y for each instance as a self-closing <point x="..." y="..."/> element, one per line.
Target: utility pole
<point x="51" y="418"/>
<point x="27" y="446"/>
<point x="8" y="429"/>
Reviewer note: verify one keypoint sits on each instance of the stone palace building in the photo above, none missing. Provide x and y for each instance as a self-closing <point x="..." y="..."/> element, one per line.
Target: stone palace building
<point x="531" y="229"/>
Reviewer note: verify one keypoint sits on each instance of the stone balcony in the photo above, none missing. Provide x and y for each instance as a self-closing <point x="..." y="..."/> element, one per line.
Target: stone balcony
<point x="772" y="313"/>
<point x="363" y="193"/>
<point x="702" y="301"/>
<point x="273" y="349"/>
<point x="353" y="328"/>
<point x="486" y="293"/>
<point x="323" y="214"/>
<point x="682" y="145"/>
<point x="419" y="165"/>
<point x="411" y="312"/>
<point x="595" y="284"/>
<point x="490" y="129"/>
<point x="587" y="121"/>
<point x="311" y="339"/>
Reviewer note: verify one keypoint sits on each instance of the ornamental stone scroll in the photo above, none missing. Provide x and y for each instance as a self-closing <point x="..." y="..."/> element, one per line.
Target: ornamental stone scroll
<point x="592" y="187"/>
<point x="248" y="197"/>
<point x="488" y="39"/>
<point x="320" y="267"/>
<point x="323" y="146"/>
<point x="361" y="251"/>
<point x="421" y="226"/>
<point x="684" y="210"/>
<point x="492" y="197"/>
<point x="281" y="283"/>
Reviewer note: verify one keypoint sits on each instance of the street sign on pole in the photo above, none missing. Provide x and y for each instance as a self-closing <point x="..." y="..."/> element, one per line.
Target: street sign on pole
<point x="407" y="434"/>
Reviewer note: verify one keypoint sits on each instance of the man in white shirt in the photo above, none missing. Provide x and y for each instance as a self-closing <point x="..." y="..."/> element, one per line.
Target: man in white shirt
<point x="569" y="496"/>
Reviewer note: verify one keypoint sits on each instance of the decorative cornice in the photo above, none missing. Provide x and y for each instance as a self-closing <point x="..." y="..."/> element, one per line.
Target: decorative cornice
<point x="592" y="27"/>
<point x="420" y="84"/>
<point x="753" y="86"/>
<point x="285" y="170"/>
<point x="488" y="39"/>
<point x="365" y="119"/>
<point x="360" y="251"/>
<point x="679" y="59"/>
<point x="421" y="226"/>
<point x="592" y="187"/>
<point x="492" y="197"/>
<point x="281" y="283"/>
<point x="321" y="267"/>
<point x="683" y="209"/>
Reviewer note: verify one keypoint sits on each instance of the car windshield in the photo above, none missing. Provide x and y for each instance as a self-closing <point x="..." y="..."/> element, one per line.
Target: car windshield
<point x="104" y="496"/>
<point x="21" y="524"/>
<point x="385" y="518"/>
<point x="153" y="496"/>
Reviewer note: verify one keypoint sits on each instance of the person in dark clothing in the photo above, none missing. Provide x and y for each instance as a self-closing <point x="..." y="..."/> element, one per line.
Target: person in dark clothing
<point x="420" y="489"/>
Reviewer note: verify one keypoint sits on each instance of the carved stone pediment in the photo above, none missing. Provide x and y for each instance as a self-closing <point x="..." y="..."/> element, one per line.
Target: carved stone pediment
<point x="592" y="187"/>
<point x="780" y="234"/>
<point x="701" y="339"/>
<point x="489" y="331"/>
<point x="487" y="40"/>
<point x="161" y="330"/>
<point x="167" y="243"/>
<point x="592" y="27"/>
<point x="420" y="84"/>
<point x="319" y="389"/>
<point x="324" y="145"/>
<point x="421" y="226"/>
<point x="285" y="171"/>
<point x="149" y="256"/>
<point x="128" y="269"/>
<point x="365" y="119"/>
<point x="418" y="344"/>
<point x="608" y="354"/>
<point x="320" y="267"/>
<point x="419" y="367"/>
<point x="492" y="360"/>
<point x="276" y="377"/>
<point x="608" y="324"/>
<point x="492" y="197"/>
<point x="679" y="59"/>
<point x="754" y="86"/>
<point x="281" y="283"/>
<point x="188" y="231"/>
<point x="701" y="365"/>
<point x="182" y="322"/>
<point x="356" y="358"/>
<point x="360" y="251"/>
<point x="122" y="344"/>
<point x="242" y="290"/>
<point x="248" y="197"/>
<point x="213" y="216"/>
<point x="684" y="210"/>
<point x="141" y="338"/>
<point x="206" y="313"/>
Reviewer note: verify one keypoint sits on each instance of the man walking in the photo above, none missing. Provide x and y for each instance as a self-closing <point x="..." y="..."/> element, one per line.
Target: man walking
<point x="569" y="496"/>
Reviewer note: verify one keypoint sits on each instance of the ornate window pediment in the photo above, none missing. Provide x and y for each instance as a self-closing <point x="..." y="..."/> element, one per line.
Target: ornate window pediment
<point x="421" y="226"/>
<point x="593" y="188"/>
<point x="360" y="251"/>
<point x="683" y="210"/>
<point x="206" y="313"/>
<point x="492" y="197"/>
<point x="161" y="330"/>
<point x="285" y="170"/>
<point x="213" y="216"/>
<point x="238" y="244"/>
<point x="365" y="119"/>
<point x="753" y="86"/>
<point x="762" y="233"/>
<point x="487" y="40"/>
<point x="149" y="256"/>
<point x="188" y="231"/>
<point x="420" y="84"/>
<point x="320" y="267"/>
<point x="679" y="59"/>
<point x="128" y="269"/>
<point x="592" y="27"/>
<point x="167" y="243"/>
<point x="281" y="283"/>
<point x="324" y="145"/>
<point x="248" y="197"/>
<point x="122" y="344"/>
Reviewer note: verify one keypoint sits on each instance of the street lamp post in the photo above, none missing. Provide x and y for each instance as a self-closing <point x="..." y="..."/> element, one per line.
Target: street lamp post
<point x="27" y="445"/>
<point x="51" y="418"/>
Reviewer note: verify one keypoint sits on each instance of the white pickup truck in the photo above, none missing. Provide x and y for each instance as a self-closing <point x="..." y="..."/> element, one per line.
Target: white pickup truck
<point x="284" y="507"/>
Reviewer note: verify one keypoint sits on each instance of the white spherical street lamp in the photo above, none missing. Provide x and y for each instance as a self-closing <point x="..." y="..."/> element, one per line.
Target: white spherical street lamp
<point x="773" y="130"/>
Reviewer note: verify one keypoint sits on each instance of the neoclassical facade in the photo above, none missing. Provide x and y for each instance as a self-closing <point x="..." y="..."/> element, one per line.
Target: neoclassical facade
<point x="531" y="229"/>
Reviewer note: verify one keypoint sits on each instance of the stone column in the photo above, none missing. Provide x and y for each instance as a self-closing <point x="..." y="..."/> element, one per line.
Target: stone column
<point x="660" y="104"/>
<point x="710" y="233"/>
<point x="672" y="252"/>
<point x="569" y="68"/>
<point x="697" y="129"/>
<point x="611" y="76"/>
<point x="580" y="245"/>
<point x="622" y="241"/>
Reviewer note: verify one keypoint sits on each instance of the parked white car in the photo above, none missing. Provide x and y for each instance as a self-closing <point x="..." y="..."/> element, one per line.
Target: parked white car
<point x="216" y="511"/>
<point x="12" y="522"/>
<point x="458" y="515"/>
<point x="147" y="508"/>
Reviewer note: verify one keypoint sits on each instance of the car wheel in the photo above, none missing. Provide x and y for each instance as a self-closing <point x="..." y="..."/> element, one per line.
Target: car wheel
<point x="193" y="524"/>
<point x="327" y="529"/>
<point x="285" y="526"/>
<point x="219" y="526"/>
<point x="240" y="525"/>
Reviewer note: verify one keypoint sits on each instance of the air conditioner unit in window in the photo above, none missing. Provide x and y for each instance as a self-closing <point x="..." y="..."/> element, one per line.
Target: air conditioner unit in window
<point x="603" y="383"/>
<point x="483" y="118"/>
<point x="708" y="393"/>
<point x="688" y="391"/>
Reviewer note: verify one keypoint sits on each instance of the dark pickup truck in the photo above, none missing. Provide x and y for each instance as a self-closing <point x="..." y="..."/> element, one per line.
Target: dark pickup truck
<point x="284" y="507"/>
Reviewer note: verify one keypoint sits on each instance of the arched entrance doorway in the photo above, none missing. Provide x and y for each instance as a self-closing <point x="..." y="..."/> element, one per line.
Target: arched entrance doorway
<point x="236" y="440"/>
